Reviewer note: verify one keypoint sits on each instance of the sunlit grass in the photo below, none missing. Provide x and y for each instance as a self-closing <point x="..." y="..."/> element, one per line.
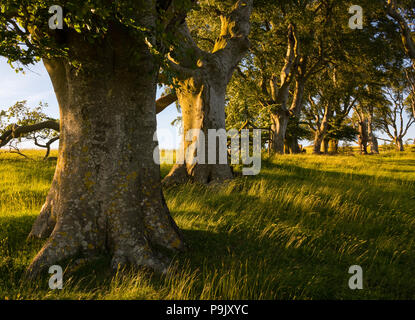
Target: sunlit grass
<point x="289" y="233"/>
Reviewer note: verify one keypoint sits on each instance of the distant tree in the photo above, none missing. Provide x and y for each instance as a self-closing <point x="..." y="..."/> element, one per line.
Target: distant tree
<point x="401" y="12"/>
<point x="370" y="99"/>
<point x="21" y="122"/>
<point x="410" y="77"/>
<point x="288" y="39"/>
<point x="318" y="113"/>
<point x="329" y="107"/>
<point x="392" y="116"/>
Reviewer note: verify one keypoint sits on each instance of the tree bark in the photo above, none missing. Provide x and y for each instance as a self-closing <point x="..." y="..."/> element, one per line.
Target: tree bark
<point x="297" y="102"/>
<point x="399" y="144"/>
<point x="318" y="140"/>
<point x="333" y="146"/>
<point x="294" y="145"/>
<point x="280" y="113"/>
<point x="106" y="193"/>
<point x="279" y="128"/>
<point x="164" y="101"/>
<point x="321" y="130"/>
<point x="406" y="33"/>
<point x="326" y="146"/>
<point x="373" y="141"/>
<point x="201" y="94"/>
<point x="291" y="145"/>
<point x="202" y="100"/>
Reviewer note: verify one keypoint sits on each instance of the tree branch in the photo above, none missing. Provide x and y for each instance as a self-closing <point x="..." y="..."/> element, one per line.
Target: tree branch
<point x="19" y="131"/>
<point x="164" y="101"/>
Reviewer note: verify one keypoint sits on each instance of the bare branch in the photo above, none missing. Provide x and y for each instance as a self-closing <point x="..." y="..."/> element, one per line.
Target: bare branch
<point x="164" y="101"/>
<point x="19" y="131"/>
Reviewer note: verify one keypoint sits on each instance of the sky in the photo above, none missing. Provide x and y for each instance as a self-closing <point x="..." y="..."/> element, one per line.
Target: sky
<point x="34" y="86"/>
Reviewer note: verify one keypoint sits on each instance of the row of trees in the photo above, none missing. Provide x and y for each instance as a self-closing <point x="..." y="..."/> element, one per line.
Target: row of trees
<point x="293" y="66"/>
<point x="294" y="45"/>
<point x="323" y="81"/>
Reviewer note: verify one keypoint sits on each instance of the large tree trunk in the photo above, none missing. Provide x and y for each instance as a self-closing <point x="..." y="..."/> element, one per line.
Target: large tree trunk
<point x="279" y="129"/>
<point x="373" y="141"/>
<point x="291" y="145"/>
<point x="399" y="144"/>
<point x="201" y="94"/>
<point x="363" y="137"/>
<point x="294" y="145"/>
<point x="406" y="32"/>
<point x="280" y="113"/>
<point x="333" y="146"/>
<point x="326" y="146"/>
<point x="318" y="140"/>
<point x="202" y="100"/>
<point x="296" y="106"/>
<point x="106" y="193"/>
<point x="321" y="130"/>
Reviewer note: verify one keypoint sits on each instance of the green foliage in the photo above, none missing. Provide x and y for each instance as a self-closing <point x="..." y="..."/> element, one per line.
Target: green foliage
<point x="25" y="36"/>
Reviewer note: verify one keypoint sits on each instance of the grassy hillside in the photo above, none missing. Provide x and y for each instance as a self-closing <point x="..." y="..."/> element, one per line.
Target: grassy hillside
<point x="291" y="232"/>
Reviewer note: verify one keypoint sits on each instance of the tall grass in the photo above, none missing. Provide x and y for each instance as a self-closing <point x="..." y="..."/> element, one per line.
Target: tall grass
<point x="292" y="232"/>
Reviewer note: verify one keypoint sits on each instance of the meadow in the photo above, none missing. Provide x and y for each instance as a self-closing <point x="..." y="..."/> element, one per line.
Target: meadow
<point x="291" y="232"/>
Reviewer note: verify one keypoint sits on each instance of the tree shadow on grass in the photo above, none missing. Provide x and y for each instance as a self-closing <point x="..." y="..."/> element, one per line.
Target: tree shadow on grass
<point x="355" y="181"/>
<point x="263" y="268"/>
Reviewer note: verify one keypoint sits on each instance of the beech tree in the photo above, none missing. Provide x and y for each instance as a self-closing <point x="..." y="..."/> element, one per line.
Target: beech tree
<point x="318" y="113"/>
<point x="370" y="100"/>
<point x="291" y="43"/>
<point x="106" y="194"/>
<point x="21" y="122"/>
<point x="410" y="77"/>
<point x="203" y="76"/>
<point x="392" y="117"/>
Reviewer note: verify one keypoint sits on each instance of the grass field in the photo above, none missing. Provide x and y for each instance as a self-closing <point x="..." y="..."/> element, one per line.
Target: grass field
<point x="291" y="232"/>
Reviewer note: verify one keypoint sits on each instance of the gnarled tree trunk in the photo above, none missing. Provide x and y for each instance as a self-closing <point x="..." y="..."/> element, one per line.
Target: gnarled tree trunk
<point x="318" y="140"/>
<point x="294" y="146"/>
<point x="298" y="99"/>
<point x="321" y="130"/>
<point x="373" y="141"/>
<point x="280" y="113"/>
<point x="326" y="146"/>
<point x="333" y="146"/>
<point x="202" y="99"/>
<point x="201" y="94"/>
<point x="399" y="144"/>
<point x="106" y="193"/>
